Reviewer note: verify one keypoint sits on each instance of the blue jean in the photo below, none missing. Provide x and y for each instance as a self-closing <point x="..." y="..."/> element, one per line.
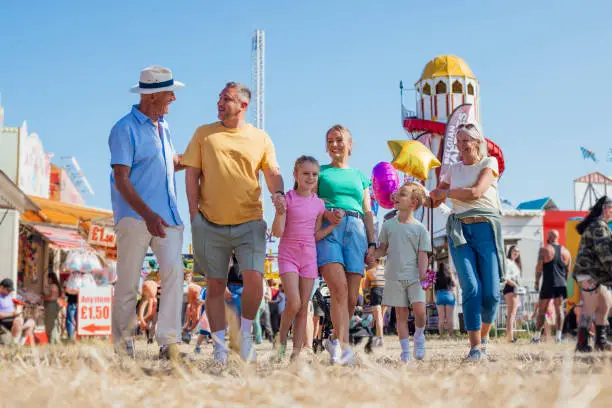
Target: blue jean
<point x="347" y="244"/>
<point x="478" y="271"/>
<point x="71" y="319"/>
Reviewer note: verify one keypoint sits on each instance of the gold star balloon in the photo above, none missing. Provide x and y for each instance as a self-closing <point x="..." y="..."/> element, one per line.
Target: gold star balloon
<point x="413" y="158"/>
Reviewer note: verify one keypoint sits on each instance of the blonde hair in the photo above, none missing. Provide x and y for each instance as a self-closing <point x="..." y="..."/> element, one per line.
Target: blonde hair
<point x="417" y="192"/>
<point x="343" y="130"/>
<point x="474" y="132"/>
<point x="301" y="160"/>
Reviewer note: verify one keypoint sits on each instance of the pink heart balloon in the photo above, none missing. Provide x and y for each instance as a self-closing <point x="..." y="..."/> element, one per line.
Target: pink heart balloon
<point x="385" y="182"/>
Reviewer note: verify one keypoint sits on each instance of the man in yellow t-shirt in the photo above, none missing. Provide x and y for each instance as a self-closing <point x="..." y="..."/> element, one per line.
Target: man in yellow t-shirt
<point x="223" y="162"/>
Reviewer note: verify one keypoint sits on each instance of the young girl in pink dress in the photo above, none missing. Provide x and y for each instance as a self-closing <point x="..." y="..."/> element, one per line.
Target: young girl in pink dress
<point x="298" y="224"/>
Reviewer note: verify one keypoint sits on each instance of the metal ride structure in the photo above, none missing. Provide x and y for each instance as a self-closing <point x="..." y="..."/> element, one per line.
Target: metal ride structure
<point x="258" y="50"/>
<point x="258" y="63"/>
<point x="76" y="175"/>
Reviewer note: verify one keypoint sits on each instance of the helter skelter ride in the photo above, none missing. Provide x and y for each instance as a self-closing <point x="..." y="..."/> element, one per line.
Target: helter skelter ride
<point x="446" y="95"/>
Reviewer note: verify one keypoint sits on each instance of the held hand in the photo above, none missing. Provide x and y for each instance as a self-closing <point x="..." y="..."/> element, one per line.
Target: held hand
<point x="370" y="260"/>
<point x="338" y="214"/>
<point x="437" y="195"/>
<point x="178" y="166"/>
<point x="537" y="286"/>
<point x="228" y="296"/>
<point x="280" y="203"/>
<point x="156" y="225"/>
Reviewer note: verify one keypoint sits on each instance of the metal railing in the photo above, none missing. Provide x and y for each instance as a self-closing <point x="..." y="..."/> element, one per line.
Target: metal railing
<point x="523" y="321"/>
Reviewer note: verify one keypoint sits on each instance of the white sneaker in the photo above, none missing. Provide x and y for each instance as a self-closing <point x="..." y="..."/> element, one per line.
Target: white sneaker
<point x="348" y="357"/>
<point x="378" y="342"/>
<point x="484" y="345"/>
<point x="334" y="350"/>
<point x="247" y="351"/>
<point x="220" y="353"/>
<point x="419" y="347"/>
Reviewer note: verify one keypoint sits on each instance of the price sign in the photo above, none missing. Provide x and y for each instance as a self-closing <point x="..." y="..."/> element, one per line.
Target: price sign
<point x="94" y="311"/>
<point x="102" y="236"/>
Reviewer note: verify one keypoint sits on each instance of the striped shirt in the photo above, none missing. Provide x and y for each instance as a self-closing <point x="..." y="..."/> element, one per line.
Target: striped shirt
<point x="376" y="276"/>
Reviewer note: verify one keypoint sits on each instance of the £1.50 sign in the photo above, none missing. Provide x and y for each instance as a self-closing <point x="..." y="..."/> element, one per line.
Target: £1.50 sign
<point x="94" y="311"/>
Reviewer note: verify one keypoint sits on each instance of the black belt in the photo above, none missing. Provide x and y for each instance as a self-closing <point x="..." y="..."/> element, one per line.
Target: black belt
<point x="350" y="213"/>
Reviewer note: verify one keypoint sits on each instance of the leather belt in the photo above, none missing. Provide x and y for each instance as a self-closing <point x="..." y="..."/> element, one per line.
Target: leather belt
<point x="350" y="213"/>
<point x="473" y="220"/>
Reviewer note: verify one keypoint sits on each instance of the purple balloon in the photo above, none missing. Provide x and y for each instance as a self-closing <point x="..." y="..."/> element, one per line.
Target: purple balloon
<point x="385" y="182"/>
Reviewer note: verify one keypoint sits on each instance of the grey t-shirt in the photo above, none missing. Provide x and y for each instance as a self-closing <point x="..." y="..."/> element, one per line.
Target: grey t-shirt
<point x="405" y="241"/>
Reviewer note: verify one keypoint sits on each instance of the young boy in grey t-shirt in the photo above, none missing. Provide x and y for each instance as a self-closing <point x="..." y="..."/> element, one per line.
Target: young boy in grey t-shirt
<point x="406" y="243"/>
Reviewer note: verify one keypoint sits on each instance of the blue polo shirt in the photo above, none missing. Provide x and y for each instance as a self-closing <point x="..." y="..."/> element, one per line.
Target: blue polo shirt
<point x="135" y="141"/>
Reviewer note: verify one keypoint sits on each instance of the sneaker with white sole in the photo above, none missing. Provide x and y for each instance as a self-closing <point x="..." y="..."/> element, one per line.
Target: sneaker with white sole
<point x="379" y="342"/>
<point x="247" y="350"/>
<point x="475" y="355"/>
<point x="419" y="347"/>
<point x="484" y="345"/>
<point x="220" y="353"/>
<point x="334" y="350"/>
<point x="348" y="357"/>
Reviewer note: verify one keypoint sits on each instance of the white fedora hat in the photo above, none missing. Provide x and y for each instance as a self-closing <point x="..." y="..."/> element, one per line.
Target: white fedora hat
<point x="156" y="79"/>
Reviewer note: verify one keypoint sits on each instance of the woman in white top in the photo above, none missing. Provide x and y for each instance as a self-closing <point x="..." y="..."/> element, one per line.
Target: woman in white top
<point x="512" y="278"/>
<point x="474" y="233"/>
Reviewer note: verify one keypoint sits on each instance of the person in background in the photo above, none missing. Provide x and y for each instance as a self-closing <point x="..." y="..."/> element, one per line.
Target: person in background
<point x="374" y="287"/>
<point x="593" y="271"/>
<point x="187" y="279"/>
<point x="513" y="275"/>
<point x="553" y="265"/>
<point x="11" y="319"/>
<point x="52" y="307"/>
<point x="445" y="299"/>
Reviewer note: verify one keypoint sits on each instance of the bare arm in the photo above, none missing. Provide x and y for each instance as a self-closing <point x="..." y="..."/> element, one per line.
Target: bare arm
<point x="278" y="225"/>
<point x="274" y="180"/>
<point x="321" y="233"/>
<point x="192" y="186"/>
<point x="368" y="215"/>
<point x="437" y="196"/>
<point x="380" y="251"/>
<point x="423" y="261"/>
<point x="539" y="267"/>
<point x="485" y="179"/>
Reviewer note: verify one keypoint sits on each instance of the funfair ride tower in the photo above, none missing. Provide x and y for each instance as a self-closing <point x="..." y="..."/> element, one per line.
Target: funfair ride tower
<point x="258" y="48"/>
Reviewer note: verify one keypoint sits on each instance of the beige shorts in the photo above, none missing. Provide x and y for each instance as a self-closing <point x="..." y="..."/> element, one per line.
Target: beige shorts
<point x="402" y="293"/>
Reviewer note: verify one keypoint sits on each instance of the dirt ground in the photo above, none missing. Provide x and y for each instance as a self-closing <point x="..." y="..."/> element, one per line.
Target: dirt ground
<point x="516" y="375"/>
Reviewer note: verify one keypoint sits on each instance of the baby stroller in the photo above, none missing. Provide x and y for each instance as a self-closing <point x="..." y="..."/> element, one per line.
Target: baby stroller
<point x="360" y="326"/>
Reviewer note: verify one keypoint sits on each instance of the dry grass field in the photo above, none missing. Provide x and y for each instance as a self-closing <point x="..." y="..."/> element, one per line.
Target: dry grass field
<point x="517" y="375"/>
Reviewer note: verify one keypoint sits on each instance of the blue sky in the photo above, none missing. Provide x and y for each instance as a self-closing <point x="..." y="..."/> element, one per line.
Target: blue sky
<point x="66" y="68"/>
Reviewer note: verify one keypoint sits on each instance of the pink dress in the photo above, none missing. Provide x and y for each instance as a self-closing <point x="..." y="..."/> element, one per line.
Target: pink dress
<point x="297" y="251"/>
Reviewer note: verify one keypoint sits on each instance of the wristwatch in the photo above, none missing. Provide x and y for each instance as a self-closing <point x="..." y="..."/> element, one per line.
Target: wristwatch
<point x="281" y="192"/>
<point x="372" y="244"/>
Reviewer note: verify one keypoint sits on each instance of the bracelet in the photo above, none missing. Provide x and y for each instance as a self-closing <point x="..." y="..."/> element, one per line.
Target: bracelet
<point x="281" y="192"/>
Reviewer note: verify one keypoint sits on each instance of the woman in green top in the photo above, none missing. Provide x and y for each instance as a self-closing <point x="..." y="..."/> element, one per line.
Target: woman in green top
<point x="341" y="255"/>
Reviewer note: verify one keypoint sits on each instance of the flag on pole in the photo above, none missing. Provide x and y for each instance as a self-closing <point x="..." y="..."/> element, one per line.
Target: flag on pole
<point x="587" y="154"/>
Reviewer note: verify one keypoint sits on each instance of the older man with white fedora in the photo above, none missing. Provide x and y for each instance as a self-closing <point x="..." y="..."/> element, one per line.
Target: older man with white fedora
<point x="143" y="192"/>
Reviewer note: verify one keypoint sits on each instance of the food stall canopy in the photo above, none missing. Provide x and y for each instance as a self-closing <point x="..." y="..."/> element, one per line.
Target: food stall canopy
<point x="12" y="198"/>
<point x="59" y="213"/>
<point x="62" y="238"/>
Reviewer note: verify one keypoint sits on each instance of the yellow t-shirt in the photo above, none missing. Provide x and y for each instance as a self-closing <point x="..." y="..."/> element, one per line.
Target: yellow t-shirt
<point x="230" y="160"/>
